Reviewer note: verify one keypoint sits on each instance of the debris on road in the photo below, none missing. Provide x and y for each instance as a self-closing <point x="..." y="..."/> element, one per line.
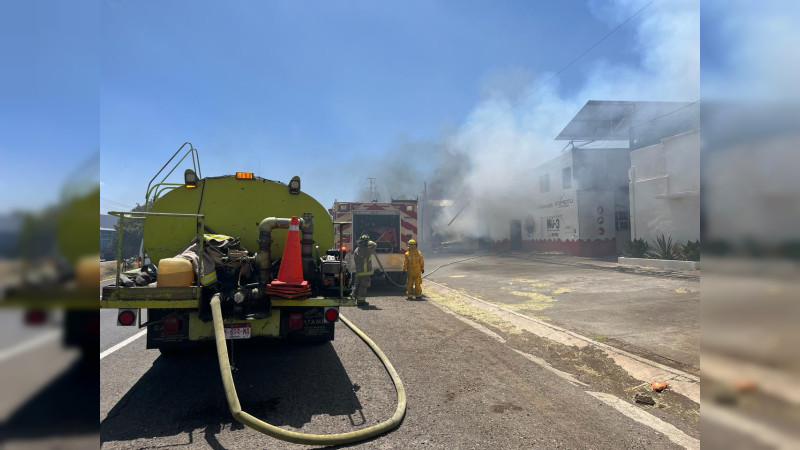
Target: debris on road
<point x="746" y="385"/>
<point x="645" y="399"/>
<point x="658" y="387"/>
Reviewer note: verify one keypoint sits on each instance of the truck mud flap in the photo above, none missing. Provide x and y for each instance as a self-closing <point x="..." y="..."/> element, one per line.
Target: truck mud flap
<point x="171" y="328"/>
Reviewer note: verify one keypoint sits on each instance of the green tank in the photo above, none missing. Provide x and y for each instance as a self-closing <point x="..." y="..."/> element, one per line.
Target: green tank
<point x="232" y="207"/>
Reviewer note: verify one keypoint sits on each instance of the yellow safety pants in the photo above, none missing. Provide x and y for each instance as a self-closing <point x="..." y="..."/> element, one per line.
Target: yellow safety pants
<point x="414" y="283"/>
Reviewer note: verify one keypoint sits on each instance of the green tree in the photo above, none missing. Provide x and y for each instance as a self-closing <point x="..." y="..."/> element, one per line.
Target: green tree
<point x="131" y="236"/>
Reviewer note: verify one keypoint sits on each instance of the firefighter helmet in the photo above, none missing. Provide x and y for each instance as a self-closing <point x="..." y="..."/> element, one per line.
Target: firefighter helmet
<point x="363" y="238"/>
<point x="412" y="242"/>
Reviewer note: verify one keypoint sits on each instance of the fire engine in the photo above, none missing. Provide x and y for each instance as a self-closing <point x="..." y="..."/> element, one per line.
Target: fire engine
<point x="390" y="225"/>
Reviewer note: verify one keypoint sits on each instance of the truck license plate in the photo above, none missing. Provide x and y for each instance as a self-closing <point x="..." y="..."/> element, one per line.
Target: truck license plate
<point x="237" y="331"/>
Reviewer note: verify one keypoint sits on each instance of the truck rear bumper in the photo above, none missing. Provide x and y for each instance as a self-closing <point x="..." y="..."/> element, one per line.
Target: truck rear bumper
<point x="186" y="298"/>
<point x="171" y="328"/>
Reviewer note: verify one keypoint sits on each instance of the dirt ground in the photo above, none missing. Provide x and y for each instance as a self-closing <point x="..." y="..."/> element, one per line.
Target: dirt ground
<point x="107" y="270"/>
<point x="590" y="365"/>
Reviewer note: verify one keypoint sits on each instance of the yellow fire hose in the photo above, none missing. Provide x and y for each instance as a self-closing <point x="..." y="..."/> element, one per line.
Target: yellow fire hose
<point x="293" y="436"/>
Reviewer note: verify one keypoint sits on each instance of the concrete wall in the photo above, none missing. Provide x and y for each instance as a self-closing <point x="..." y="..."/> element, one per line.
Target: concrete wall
<point x="577" y="219"/>
<point x="551" y="215"/>
<point x="665" y="189"/>
<point x="751" y="189"/>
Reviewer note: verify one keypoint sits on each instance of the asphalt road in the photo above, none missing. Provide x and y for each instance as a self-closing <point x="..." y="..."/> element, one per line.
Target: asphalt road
<point x="468" y="387"/>
<point x="48" y="392"/>
<point x="110" y="334"/>
<point x="654" y="314"/>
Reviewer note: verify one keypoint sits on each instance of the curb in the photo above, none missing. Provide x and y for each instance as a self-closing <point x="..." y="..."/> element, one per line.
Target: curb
<point x="617" y="267"/>
<point x="643" y="369"/>
<point x="659" y="263"/>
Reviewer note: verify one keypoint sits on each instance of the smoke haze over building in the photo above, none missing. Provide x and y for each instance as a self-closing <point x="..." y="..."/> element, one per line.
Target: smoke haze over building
<point x="512" y="130"/>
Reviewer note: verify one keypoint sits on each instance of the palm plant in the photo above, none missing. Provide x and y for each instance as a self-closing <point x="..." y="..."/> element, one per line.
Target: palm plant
<point x="664" y="248"/>
<point x="636" y="248"/>
<point x="690" y="251"/>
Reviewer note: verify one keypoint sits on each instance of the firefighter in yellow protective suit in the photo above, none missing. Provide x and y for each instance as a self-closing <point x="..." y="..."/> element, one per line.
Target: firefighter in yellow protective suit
<point x="414" y="266"/>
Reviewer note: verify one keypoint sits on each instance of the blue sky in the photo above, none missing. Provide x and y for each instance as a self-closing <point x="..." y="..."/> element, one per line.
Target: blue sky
<point x="317" y="89"/>
<point x="49" y="100"/>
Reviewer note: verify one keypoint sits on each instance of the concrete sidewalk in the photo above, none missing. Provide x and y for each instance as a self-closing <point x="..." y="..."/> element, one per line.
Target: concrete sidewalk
<point x="605" y="263"/>
<point x="639" y="368"/>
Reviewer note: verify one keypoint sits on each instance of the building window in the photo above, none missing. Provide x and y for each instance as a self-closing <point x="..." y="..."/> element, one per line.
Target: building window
<point x="622" y="220"/>
<point x="544" y="183"/>
<point x="566" y="178"/>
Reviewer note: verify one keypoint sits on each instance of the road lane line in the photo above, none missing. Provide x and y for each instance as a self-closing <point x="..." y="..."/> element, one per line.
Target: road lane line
<point x="541" y="362"/>
<point x="29" y="344"/>
<point x="567" y="376"/>
<point x="640" y="368"/>
<point x="123" y="343"/>
<point x="761" y="432"/>
<point x="674" y="434"/>
<point x="580" y="337"/>
<point x="645" y="418"/>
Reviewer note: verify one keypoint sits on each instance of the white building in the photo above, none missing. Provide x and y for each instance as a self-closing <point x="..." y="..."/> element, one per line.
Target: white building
<point x="665" y="189"/>
<point x="579" y="202"/>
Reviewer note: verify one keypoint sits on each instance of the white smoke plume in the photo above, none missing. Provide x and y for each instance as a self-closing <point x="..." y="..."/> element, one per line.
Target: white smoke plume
<point x="481" y="162"/>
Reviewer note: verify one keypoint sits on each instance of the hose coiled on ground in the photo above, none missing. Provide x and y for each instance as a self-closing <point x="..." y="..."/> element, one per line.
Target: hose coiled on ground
<point x="293" y="436"/>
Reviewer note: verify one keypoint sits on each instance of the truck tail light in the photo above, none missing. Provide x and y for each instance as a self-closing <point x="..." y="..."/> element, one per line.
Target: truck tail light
<point x="331" y="314"/>
<point x="92" y="324"/>
<point x="126" y="317"/>
<point x="295" y="321"/>
<point x="171" y="325"/>
<point x="35" y="317"/>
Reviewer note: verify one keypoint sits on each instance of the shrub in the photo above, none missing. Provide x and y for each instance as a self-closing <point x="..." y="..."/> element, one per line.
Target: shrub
<point x="690" y="251"/>
<point x="664" y="248"/>
<point x="636" y="248"/>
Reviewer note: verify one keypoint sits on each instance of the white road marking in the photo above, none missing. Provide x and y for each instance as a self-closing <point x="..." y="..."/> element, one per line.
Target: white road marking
<point x="640" y="368"/>
<point x="639" y="415"/>
<point x="123" y="343"/>
<point x="544" y="364"/>
<point x="29" y="344"/>
<point x="759" y="431"/>
<point x="674" y="434"/>
<point x="567" y="376"/>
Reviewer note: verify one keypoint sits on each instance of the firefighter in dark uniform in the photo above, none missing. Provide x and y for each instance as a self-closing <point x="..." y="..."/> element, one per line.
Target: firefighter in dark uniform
<point x="362" y="259"/>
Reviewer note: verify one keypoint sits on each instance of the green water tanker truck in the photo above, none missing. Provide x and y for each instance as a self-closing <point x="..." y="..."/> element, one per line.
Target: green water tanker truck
<point x="264" y="250"/>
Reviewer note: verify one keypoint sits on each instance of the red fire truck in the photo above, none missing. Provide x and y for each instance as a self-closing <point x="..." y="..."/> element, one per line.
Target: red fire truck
<point x="390" y="225"/>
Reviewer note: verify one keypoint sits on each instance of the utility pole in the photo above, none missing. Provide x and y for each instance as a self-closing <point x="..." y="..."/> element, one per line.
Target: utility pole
<point x="373" y="190"/>
<point x="421" y="231"/>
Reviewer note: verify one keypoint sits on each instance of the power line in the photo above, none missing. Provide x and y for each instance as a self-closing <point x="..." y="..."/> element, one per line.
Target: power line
<point x="111" y="202"/>
<point x="114" y="203"/>
<point x="666" y="114"/>
<point x="576" y="59"/>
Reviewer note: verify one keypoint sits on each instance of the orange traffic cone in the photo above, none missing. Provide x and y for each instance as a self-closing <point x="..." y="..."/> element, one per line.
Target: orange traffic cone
<point x="291" y="271"/>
